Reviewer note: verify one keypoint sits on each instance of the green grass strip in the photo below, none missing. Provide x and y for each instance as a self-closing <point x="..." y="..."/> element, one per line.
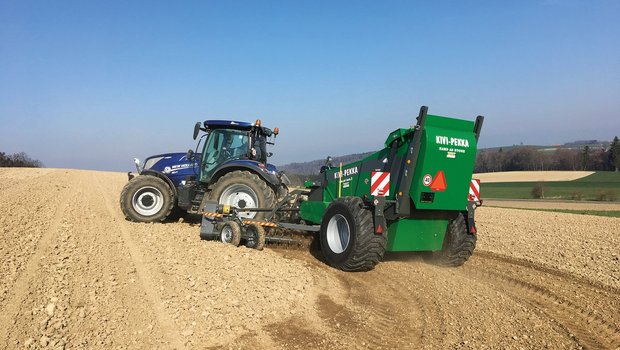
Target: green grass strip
<point x="605" y="213"/>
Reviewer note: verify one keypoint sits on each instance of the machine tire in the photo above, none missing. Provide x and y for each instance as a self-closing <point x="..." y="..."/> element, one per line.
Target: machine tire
<point x="256" y="239"/>
<point x="458" y="244"/>
<point x="147" y="198"/>
<point x="249" y="185"/>
<point x="363" y="248"/>
<point x="230" y="233"/>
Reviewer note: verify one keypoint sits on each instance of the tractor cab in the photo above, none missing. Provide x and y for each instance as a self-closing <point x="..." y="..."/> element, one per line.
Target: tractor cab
<point x="228" y="141"/>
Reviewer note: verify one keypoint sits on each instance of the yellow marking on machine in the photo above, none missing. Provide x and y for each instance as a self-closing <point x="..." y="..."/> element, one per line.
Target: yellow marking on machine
<point x="260" y="223"/>
<point x="213" y="215"/>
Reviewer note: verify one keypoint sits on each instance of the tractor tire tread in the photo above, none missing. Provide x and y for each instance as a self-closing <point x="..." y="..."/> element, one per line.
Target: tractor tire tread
<point x="139" y="182"/>
<point x="458" y="246"/>
<point x="369" y="247"/>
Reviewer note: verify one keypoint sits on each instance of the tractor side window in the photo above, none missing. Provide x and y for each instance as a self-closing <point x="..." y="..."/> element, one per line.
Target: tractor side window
<point x="223" y="145"/>
<point x="212" y="152"/>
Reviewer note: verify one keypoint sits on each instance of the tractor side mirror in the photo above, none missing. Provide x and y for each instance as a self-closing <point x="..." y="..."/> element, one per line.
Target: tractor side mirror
<point x="269" y="154"/>
<point x="196" y="129"/>
<point x="190" y="154"/>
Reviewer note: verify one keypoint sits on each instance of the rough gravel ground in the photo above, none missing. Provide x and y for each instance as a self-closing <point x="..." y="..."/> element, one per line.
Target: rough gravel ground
<point x="580" y="245"/>
<point x="75" y="274"/>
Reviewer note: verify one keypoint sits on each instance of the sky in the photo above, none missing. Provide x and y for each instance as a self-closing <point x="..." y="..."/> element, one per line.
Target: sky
<point x="93" y="84"/>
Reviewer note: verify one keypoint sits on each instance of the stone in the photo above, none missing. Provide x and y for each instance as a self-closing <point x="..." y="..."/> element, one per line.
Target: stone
<point x="44" y="340"/>
<point x="50" y="308"/>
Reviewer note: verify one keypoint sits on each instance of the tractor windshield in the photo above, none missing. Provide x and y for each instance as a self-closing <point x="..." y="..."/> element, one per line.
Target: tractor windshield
<point x="223" y="145"/>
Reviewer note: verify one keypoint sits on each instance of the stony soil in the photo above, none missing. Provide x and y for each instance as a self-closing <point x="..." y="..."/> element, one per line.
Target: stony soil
<point x="531" y="176"/>
<point x="75" y="274"/>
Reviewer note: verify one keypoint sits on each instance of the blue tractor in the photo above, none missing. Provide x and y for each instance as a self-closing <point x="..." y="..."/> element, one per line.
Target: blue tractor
<point x="230" y="168"/>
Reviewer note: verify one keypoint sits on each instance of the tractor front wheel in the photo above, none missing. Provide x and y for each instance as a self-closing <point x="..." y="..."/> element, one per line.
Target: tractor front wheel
<point x="458" y="245"/>
<point x="348" y="240"/>
<point x="147" y="198"/>
<point x="243" y="189"/>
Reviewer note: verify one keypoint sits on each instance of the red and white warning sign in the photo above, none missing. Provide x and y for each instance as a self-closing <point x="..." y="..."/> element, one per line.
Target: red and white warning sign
<point x="380" y="183"/>
<point x="474" y="190"/>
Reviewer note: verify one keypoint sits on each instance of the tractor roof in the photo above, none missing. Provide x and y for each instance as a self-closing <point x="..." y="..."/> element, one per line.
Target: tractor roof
<point x="227" y="124"/>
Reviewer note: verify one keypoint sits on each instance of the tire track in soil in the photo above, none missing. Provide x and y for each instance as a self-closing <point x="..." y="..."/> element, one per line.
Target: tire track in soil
<point x="376" y="293"/>
<point x="18" y="246"/>
<point x="52" y="294"/>
<point x="103" y="304"/>
<point x="587" y="326"/>
<point x="409" y="303"/>
<point x="329" y="313"/>
<point x="358" y="312"/>
<point x="165" y="321"/>
<point x="20" y="291"/>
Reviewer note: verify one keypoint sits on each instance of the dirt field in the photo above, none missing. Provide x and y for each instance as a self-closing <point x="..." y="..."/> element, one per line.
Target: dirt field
<point x="75" y="274"/>
<point x="531" y="176"/>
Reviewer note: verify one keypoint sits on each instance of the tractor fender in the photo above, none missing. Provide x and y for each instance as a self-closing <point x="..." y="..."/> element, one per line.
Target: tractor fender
<point x="151" y="172"/>
<point x="251" y="166"/>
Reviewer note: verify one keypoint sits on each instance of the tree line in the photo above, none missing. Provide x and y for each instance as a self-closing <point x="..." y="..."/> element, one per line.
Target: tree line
<point x="530" y="158"/>
<point x="18" y="160"/>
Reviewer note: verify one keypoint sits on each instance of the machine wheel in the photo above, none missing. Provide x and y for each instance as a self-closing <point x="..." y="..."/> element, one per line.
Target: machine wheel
<point x="256" y="237"/>
<point x="147" y="198"/>
<point x="230" y="233"/>
<point x="458" y="245"/>
<point x="243" y="189"/>
<point x="348" y="240"/>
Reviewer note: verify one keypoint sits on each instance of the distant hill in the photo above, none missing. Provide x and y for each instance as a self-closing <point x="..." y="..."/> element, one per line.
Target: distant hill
<point x="312" y="167"/>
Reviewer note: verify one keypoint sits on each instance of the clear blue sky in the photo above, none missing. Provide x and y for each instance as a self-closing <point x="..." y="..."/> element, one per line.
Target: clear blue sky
<point x="92" y="84"/>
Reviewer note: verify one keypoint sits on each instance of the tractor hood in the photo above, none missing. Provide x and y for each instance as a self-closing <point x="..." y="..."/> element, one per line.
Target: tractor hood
<point x="175" y="166"/>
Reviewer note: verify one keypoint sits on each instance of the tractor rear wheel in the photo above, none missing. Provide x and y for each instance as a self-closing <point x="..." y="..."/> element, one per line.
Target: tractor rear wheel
<point x="348" y="240"/>
<point x="243" y="189"/>
<point x="147" y="198"/>
<point x="458" y="244"/>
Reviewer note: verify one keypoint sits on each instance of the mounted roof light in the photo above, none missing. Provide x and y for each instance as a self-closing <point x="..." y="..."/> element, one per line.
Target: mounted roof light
<point x="276" y="131"/>
<point x="257" y="122"/>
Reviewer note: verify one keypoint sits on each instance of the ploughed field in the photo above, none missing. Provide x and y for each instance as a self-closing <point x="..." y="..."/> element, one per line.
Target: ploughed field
<point x="76" y="274"/>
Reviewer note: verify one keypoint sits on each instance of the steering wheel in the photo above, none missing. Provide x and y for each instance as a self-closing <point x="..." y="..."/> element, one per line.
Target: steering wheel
<point x="227" y="152"/>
